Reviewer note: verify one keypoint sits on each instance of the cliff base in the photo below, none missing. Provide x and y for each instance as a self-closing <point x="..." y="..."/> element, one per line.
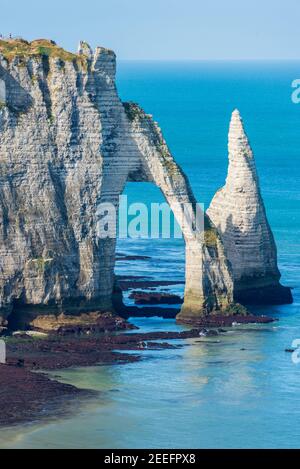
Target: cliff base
<point x="269" y="295"/>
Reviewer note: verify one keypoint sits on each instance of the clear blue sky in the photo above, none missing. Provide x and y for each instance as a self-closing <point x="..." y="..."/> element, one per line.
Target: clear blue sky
<point x="163" y="29"/>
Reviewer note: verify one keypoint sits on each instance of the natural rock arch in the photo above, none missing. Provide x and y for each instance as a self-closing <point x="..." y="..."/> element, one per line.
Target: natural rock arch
<point x="83" y="144"/>
<point x="141" y="154"/>
<point x="208" y="286"/>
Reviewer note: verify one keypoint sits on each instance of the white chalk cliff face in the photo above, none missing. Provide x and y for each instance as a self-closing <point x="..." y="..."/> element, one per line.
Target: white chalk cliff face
<point x="238" y="211"/>
<point x="68" y="143"/>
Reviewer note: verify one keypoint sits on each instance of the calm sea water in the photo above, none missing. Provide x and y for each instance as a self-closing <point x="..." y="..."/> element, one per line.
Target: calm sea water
<point x="241" y="390"/>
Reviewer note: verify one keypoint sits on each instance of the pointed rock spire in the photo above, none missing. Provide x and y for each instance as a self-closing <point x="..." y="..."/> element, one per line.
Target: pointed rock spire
<point x="242" y="171"/>
<point x="238" y="143"/>
<point x="238" y="211"/>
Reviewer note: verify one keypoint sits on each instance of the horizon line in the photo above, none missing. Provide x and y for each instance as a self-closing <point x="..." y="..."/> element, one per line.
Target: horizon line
<point x="279" y="59"/>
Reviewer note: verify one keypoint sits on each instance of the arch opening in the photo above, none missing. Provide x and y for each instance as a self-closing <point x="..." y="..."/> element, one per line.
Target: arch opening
<point x="150" y="260"/>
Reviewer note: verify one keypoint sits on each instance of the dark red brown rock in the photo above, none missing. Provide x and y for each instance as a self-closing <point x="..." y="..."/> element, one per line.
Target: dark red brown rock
<point x="93" y="322"/>
<point x="125" y="257"/>
<point x="227" y="321"/>
<point x="26" y="396"/>
<point x="129" y="282"/>
<point x="148" y="312"/>
<point x="154" y="298"/>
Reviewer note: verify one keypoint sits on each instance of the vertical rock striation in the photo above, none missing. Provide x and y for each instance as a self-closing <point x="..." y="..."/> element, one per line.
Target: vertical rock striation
<point x="68" y="144"/>
<point x="2" y="93"/>
<point x="238" y="211"/>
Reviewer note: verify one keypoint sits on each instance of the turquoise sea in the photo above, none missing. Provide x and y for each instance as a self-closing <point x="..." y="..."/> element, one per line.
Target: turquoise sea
<point x="242" y="389"/>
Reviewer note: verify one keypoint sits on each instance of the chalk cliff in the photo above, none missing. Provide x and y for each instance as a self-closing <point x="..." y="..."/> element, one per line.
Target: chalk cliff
<point x="67" y="144"/>
<point x="238" y="211"/>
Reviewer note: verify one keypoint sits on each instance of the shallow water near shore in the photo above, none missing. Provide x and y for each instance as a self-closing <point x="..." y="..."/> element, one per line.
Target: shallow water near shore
<point x="240" y="389"/>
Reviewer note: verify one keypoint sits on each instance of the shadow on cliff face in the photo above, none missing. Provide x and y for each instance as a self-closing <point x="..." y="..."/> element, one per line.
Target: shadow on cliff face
<point x="256" y="288"/>
<point x="17" y="98"/>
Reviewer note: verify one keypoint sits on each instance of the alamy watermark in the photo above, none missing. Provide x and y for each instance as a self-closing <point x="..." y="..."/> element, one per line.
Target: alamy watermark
<point x="296" y="353"/>
<point x="157" y="220"/>
<point x="295" y="97"/>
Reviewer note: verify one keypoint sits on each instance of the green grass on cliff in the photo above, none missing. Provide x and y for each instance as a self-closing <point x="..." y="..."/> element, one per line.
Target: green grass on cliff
<point x="41" y="263"/>
<point x="12" y="48"/>
<point x="210" y="237"/>
<point x="210" y="233"/>
<point x="133" y="111"/>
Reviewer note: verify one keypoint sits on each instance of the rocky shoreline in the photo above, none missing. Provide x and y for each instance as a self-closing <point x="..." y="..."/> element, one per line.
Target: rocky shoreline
<point x="27" y="396"/>
<point x="63" y="341"/>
